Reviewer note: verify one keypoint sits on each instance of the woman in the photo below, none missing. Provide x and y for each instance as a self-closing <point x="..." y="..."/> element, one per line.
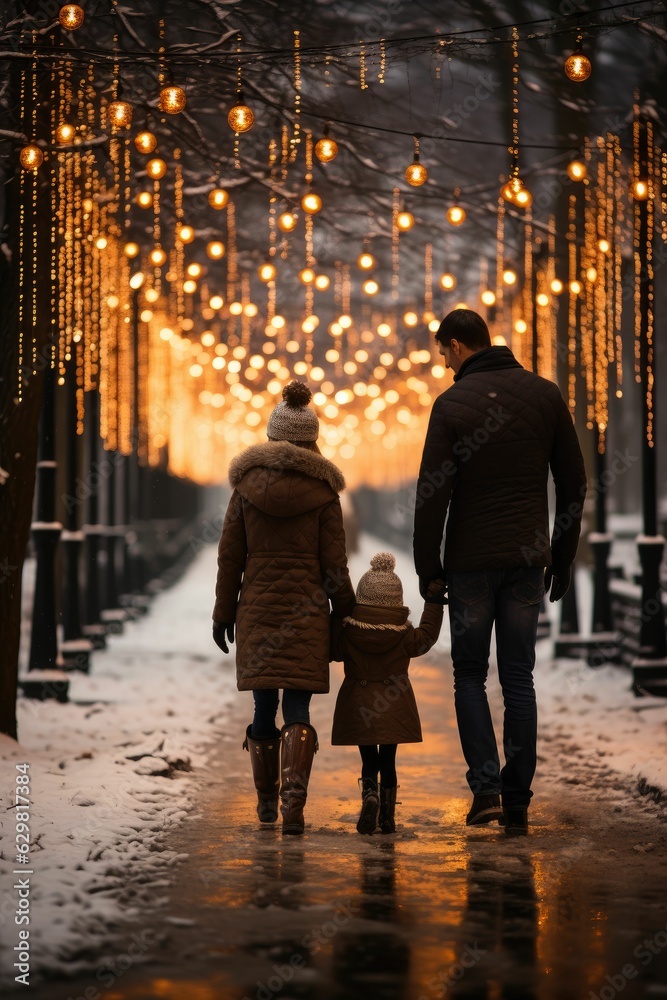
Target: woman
<point x="281" y="562"/>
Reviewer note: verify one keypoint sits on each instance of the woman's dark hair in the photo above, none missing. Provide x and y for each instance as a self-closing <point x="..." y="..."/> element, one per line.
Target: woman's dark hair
<point x="467" y="327"/>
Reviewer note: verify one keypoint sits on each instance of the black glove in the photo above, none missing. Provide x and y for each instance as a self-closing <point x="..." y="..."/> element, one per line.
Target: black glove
<point x="557" y="584"/>
<point x="433" y="591"/>
<point x="220" y="630"/>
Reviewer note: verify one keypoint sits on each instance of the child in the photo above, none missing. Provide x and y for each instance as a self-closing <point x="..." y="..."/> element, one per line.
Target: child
<point x="376" y="706"/>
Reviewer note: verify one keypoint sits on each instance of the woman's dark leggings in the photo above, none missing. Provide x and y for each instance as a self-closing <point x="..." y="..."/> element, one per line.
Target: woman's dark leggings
<point x="379" y="758"/>
<point x="295" y="709"/>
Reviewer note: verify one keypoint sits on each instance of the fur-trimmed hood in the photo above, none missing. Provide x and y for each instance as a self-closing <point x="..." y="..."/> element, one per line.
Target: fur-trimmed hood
<point x="284" y="479"/>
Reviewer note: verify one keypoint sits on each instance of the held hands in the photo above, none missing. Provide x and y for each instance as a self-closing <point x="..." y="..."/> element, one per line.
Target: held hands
<point x="433" y="591"/>
<point x="220" y="630"/>
<point x="557" y="584"/>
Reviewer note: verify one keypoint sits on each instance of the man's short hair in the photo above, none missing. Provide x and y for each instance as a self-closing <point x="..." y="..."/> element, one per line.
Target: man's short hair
<point x="467" y="327"/>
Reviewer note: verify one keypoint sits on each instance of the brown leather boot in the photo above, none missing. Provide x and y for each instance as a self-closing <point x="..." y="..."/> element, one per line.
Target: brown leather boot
<point x="299" y="746"/>
<point x="265" y="759"/>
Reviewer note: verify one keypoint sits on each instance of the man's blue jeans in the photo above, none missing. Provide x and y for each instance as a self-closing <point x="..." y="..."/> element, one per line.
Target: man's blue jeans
<point x="511" y="599"/>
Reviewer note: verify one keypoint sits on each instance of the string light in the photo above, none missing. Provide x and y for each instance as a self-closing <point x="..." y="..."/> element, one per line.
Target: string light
<point x="577" y="171"/>
<point x="405" y="221"/>
<point x="172" y="99"/>
<point x="215" y="249"/>
<point x="326" y="149"/>
<point x="145" y="142"/>
<point x="416" y="173"/>
<point x="71" y="16"/>
<point x="241" y="118"/>
<point x="119" y="113"/>
<point x="447" y="281"/>
<point x="578" y="66"/>
<point x="31" y="157"/>
<point x="218" y="198"/>
<point x="267" y="272"/>
<point x="156" y="168"/>
<point x="287" y="222"/>
<point x="65" y="133"/>
<point x="310" y="203"/>
<point x="456" y="215"/>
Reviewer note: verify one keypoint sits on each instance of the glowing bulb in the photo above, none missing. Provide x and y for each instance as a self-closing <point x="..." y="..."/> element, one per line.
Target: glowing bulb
<point x="101" y="243"/>
<point x="216" y="302"/>
<point x="371" y="287"/>
<point x="521" y="326"/>
<point x="186" y="234"/>
<point x="345" y="321"/>
<point x="31" y="157"/>
<point x="311" y="203"/>
<point x="267" y="272"/>
<point x="194" y="270"/>
<point x="509" y="276"/>
<point x="144" y="199"/>
<point x="326" y="149"/>
<point x="131" y="250"/>
<point x="236" y="308"/>
<point x="461" y="305"/>
<point x="577" y="170"/>
<point x="218" y="198"/>
<point x="113" y="301"/>
<point x="523" y="198"/>
<point x="366" y="261"/>
<point x="556" y="286"/>
<point x="250" y="309"/>
<point x="166" y="334"/>
<point x="575" y="287"/>
<point x="447" y="281"/>
<point x="278" y="322"/>
<point x="65" y="132"/>
<point x="136" y="281"/>
<point x="71" y="16"/>
<point x="542" y="299"/>
<point x="190" y="286"/>
<point x="410" y="318"/>
<point x="145" y="142"/>
<point x="156" y="168"/>
<point x="172" y="99"/>
<point x="215" y="249"/>
<point x="640" y="190"/>
<point x="307" y="275"/>
<point x="405" y="221"/>
<point x="578" y="67"/>
<point x="286" y="222"/>
<point x="488" y="297"/>
<point x="158" y="256"/>
<point x="604" y="246"/>
<point x="322" y="282"/>
<point x="592" y="275"/>
<point x="241" y="118"/>
<point x="416" y="173"/>
<point x="456" y="215"/>
<point x="120" y="114"/>
<point x="384" y="330"/>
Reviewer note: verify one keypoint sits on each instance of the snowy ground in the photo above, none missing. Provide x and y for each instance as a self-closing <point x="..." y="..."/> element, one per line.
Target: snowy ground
<point x="116" y="771"/>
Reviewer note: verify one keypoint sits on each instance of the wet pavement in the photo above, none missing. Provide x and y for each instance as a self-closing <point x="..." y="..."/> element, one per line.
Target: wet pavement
<point x="577" y="911"/>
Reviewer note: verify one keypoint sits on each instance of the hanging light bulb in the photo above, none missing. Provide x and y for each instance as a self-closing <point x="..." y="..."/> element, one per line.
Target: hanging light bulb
<point x="488" y="297"/>
<point x="575" y="287"/>
<point x="144" y="199"/>
<point x="578" y="66"/>
<point x="366" y="261"/>
<point x="31" y="157"/>
<point x="556" y="286"/>
<point x="216" y="302"/>
<point x="410" y="318"/>
<point x="145" y="141"/>
<point x="370" y="287"/>
<point x="509" y="276"/>
<point x="326" y="149"/>
<point x="172" y="99"/>
<point x="524" y="198"/>
<point x="71" y="16"/>
<point x="311" y="203"/>
<point x="604" y="246"/>
<point x="322" y="282"/>
<point x="577" y="170"/>
<point x="218" y="198"/>
<point x="447" y="281"/>
<point x="267" y="272"/>
<point x="456" y="215"/>
<point x="215" y="249"/>
<point x="307" y="275"/>
<point x="158" y="256"/>
<point x="156" y="168"/>
<point x="131" y="250"/>
<point x="186" y="234"/>
<point x="65" y="133"/>
<point x="194" y="270"/>
<point x="405" y="221"/>
<point x="416" y="173"/>
<point x="119" y="112"/>
<point x="286" y="222"/>
<point x="640" y="190"/>
<point x="241" y="118"/>
<point x="542" y="299"/>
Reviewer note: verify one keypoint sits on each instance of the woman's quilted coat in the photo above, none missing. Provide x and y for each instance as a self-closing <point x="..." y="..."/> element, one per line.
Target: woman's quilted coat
<point x="281" y="562"/>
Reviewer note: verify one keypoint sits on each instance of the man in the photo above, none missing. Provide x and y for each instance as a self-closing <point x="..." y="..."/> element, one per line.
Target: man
<point x="492" y="438"/>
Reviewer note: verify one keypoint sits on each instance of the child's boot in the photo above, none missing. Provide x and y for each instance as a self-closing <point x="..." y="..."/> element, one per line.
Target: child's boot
<point x="388" y="808"/>
<point x="369" y="806"/>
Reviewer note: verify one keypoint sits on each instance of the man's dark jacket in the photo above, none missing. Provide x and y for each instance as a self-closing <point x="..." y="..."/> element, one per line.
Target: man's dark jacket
<point x="492" y="438"/>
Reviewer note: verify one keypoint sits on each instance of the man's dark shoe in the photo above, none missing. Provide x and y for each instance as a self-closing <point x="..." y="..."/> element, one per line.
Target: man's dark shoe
<point x="515" y="821"/>
<point x="484" y="809"/>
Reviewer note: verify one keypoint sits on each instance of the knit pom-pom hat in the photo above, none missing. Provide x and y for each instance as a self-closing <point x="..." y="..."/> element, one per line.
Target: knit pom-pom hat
<point x="293" y="420"/>
<point x="379" y="585"/>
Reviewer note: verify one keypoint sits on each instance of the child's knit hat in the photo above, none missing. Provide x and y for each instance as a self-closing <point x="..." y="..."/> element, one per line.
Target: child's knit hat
<point x="379" y="585"/>
<point x="293" y="419"/>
